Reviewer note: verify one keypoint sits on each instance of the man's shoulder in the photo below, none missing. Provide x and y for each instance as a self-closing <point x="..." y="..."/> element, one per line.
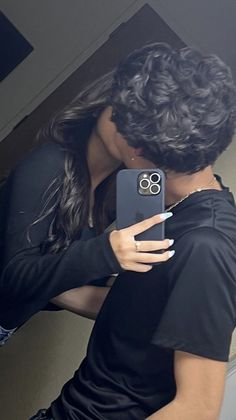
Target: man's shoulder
<point x="209" y="220"/>
<point x="204" y="250"/>
<point x="199" y="240"/>
<point x="204" y="235"/>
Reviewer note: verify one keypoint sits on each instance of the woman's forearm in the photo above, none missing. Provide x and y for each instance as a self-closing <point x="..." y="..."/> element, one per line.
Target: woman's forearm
<point x="85" y="301"/>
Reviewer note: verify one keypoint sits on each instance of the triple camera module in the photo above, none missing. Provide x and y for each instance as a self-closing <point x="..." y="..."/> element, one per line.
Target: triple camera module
<point x="149" y="183"/>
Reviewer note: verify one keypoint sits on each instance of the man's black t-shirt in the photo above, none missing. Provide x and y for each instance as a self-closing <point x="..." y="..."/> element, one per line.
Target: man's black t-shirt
<point x="187" y="304"/>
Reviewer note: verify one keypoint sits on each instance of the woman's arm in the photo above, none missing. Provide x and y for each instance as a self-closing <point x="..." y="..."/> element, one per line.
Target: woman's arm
<point x="200" y="387"/>
<point x="27" y="275"/>
<point x="85" y="301"/>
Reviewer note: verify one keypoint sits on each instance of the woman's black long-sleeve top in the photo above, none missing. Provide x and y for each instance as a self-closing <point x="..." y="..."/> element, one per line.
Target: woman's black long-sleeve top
<point x="29" y="278"/>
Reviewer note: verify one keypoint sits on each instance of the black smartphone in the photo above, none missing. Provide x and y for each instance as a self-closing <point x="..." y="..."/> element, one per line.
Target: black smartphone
<point x="140" y="195"/>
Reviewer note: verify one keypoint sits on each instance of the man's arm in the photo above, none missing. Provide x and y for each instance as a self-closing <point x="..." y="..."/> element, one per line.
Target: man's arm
<point x="200" y="388"/>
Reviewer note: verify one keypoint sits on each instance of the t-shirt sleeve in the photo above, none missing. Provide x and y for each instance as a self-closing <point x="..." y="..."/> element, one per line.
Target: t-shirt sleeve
<point x="28" y="274"/>
<point x="200" y="313"/>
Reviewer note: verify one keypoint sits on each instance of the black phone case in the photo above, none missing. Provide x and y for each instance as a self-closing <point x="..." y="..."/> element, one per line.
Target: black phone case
<point x="132" y="207"/>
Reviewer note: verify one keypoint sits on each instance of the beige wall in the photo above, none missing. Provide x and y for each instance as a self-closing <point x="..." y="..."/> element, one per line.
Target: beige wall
<point x="38" y="360"/>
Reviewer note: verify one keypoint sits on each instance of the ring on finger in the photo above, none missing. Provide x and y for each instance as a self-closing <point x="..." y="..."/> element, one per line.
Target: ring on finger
<point x="137" y="246"/>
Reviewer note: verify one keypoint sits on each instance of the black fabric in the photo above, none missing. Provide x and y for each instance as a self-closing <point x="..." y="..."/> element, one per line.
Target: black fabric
<point x="187" y="304"/>
<point x="30" y="279"/>
<point x="42" y="415"/>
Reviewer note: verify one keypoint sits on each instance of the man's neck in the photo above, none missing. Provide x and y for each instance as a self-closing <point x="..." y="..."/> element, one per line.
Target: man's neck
<point x="180" y="185"/>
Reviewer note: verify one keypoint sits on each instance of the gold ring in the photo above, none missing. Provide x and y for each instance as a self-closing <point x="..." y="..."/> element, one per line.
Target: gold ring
<point x="137" y="245"/>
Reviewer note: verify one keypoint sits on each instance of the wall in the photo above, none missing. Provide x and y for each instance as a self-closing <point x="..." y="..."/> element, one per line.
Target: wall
<point x="38" y="360"/>
<point x="225" y="166"/>
<point x="228" y="411"/>
<point x="209" y="24"/>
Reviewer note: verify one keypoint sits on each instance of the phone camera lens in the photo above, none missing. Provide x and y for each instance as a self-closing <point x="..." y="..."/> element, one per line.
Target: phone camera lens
<point x="144" y="183"/>
<point x="155" y="178"/>
<point x="155" y="189"/>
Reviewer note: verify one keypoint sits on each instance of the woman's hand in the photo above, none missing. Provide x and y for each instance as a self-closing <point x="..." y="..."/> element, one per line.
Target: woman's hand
<point x="135" y="255"/>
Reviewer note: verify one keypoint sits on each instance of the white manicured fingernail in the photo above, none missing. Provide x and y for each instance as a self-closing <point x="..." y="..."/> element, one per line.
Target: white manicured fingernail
<point x="171" y="241"/>
<point x="171" y="253"/>
<point x="165" y="216"/>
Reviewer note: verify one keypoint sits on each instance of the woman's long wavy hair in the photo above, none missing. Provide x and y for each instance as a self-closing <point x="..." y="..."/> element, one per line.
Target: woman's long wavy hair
<point x="68" y="196"/>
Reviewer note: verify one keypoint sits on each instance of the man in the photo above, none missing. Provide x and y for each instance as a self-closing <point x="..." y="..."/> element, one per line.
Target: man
<point x="160" y="345"/>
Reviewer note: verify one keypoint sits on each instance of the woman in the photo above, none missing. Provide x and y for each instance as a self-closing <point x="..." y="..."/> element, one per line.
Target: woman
<point x="160" y="346"/>
<point x="55" y="207"/>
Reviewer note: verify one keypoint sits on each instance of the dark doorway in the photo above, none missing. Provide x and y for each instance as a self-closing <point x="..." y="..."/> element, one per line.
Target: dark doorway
<point x="14" y="48"/>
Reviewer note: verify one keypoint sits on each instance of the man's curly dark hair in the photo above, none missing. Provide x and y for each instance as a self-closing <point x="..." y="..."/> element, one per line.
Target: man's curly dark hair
<point x="179" y="106"/>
